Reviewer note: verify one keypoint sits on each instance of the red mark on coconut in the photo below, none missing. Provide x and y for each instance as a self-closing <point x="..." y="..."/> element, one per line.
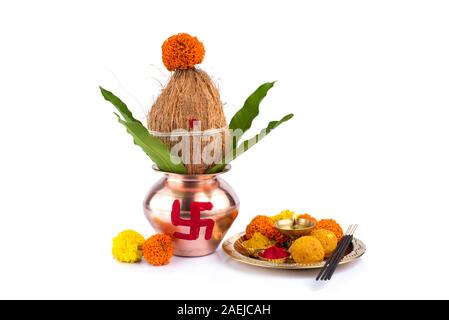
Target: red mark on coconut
<point x="192" y="123"/>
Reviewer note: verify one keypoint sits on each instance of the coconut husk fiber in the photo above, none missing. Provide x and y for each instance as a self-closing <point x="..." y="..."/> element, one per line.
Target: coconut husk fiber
<point x="189" y="95"/>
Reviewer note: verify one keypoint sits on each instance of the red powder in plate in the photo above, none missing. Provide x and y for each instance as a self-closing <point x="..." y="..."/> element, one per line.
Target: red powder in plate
<point x="274" y="252"/>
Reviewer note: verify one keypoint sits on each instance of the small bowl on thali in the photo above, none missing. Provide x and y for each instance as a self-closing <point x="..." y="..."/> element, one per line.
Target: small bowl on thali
<point x="295" y="228"/>
<point x="253" y="252"/>
<point x="278" y="260"/>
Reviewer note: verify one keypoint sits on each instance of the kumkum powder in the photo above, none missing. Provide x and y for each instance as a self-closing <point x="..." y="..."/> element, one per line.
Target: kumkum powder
<point x="274" y="252"/>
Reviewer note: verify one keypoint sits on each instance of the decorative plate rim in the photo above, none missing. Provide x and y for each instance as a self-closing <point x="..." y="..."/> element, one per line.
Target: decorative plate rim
<point x="228" y="246"/>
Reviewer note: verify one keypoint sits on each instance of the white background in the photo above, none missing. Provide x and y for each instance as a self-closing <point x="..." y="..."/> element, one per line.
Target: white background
<point x="367" y="81"/>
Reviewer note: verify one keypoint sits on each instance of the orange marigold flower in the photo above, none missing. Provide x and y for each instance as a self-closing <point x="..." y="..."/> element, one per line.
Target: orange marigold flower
<point x="182" y="51"/>
<point x="306" y="216"/>
<point x="331" y="225"/>
<point x="265" y="226"/>
<point x="158" y="249"/>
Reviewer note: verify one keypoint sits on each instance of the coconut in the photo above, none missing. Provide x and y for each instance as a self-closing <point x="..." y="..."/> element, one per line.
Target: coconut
<point x="188" y="114"/>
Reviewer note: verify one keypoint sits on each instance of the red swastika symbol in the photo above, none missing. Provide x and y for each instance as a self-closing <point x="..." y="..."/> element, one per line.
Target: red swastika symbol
<point x="195" y="221"/>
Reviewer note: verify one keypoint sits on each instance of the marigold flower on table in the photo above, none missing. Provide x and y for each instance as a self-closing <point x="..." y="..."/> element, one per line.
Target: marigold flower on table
<point x="127" y="246"/>
<point x="158" y="249"/>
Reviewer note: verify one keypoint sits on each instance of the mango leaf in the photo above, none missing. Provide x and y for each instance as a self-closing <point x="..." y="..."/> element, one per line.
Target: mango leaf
<point x="151" y="145"/>
<point x="243" y="119"/>
<point x="248" y="144"/>
<point x="119" y="105"/>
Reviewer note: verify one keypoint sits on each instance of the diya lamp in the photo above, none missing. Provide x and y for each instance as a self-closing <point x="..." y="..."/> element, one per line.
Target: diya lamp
<point x="295" y="227"/>
<point x="191" y="144"/>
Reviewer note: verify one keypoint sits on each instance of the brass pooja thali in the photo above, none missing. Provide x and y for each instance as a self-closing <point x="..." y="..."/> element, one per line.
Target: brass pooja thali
<point x="234" y="248"/>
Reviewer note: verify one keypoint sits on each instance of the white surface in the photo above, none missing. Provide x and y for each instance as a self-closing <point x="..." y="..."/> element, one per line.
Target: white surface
<point x="367" y="81"/>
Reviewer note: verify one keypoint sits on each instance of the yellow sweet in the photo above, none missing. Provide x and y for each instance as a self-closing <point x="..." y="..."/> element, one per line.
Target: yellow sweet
<point x="307" y="249"/>
<point x="328" y="240"/>
<point x="331" y="225"/>
<point x="127" y="246"/>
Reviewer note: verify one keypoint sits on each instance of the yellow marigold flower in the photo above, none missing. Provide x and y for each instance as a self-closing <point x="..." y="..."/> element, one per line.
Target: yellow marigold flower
<point x="127" y="246"/>
<point x="286" y="214"/>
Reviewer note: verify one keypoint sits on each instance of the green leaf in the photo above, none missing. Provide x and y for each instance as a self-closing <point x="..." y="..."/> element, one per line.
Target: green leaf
<point x="248" y="144"/>
<point x="243" y="119"/>
<point x="151" y="145"/>
<point x="119" y="105"/>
